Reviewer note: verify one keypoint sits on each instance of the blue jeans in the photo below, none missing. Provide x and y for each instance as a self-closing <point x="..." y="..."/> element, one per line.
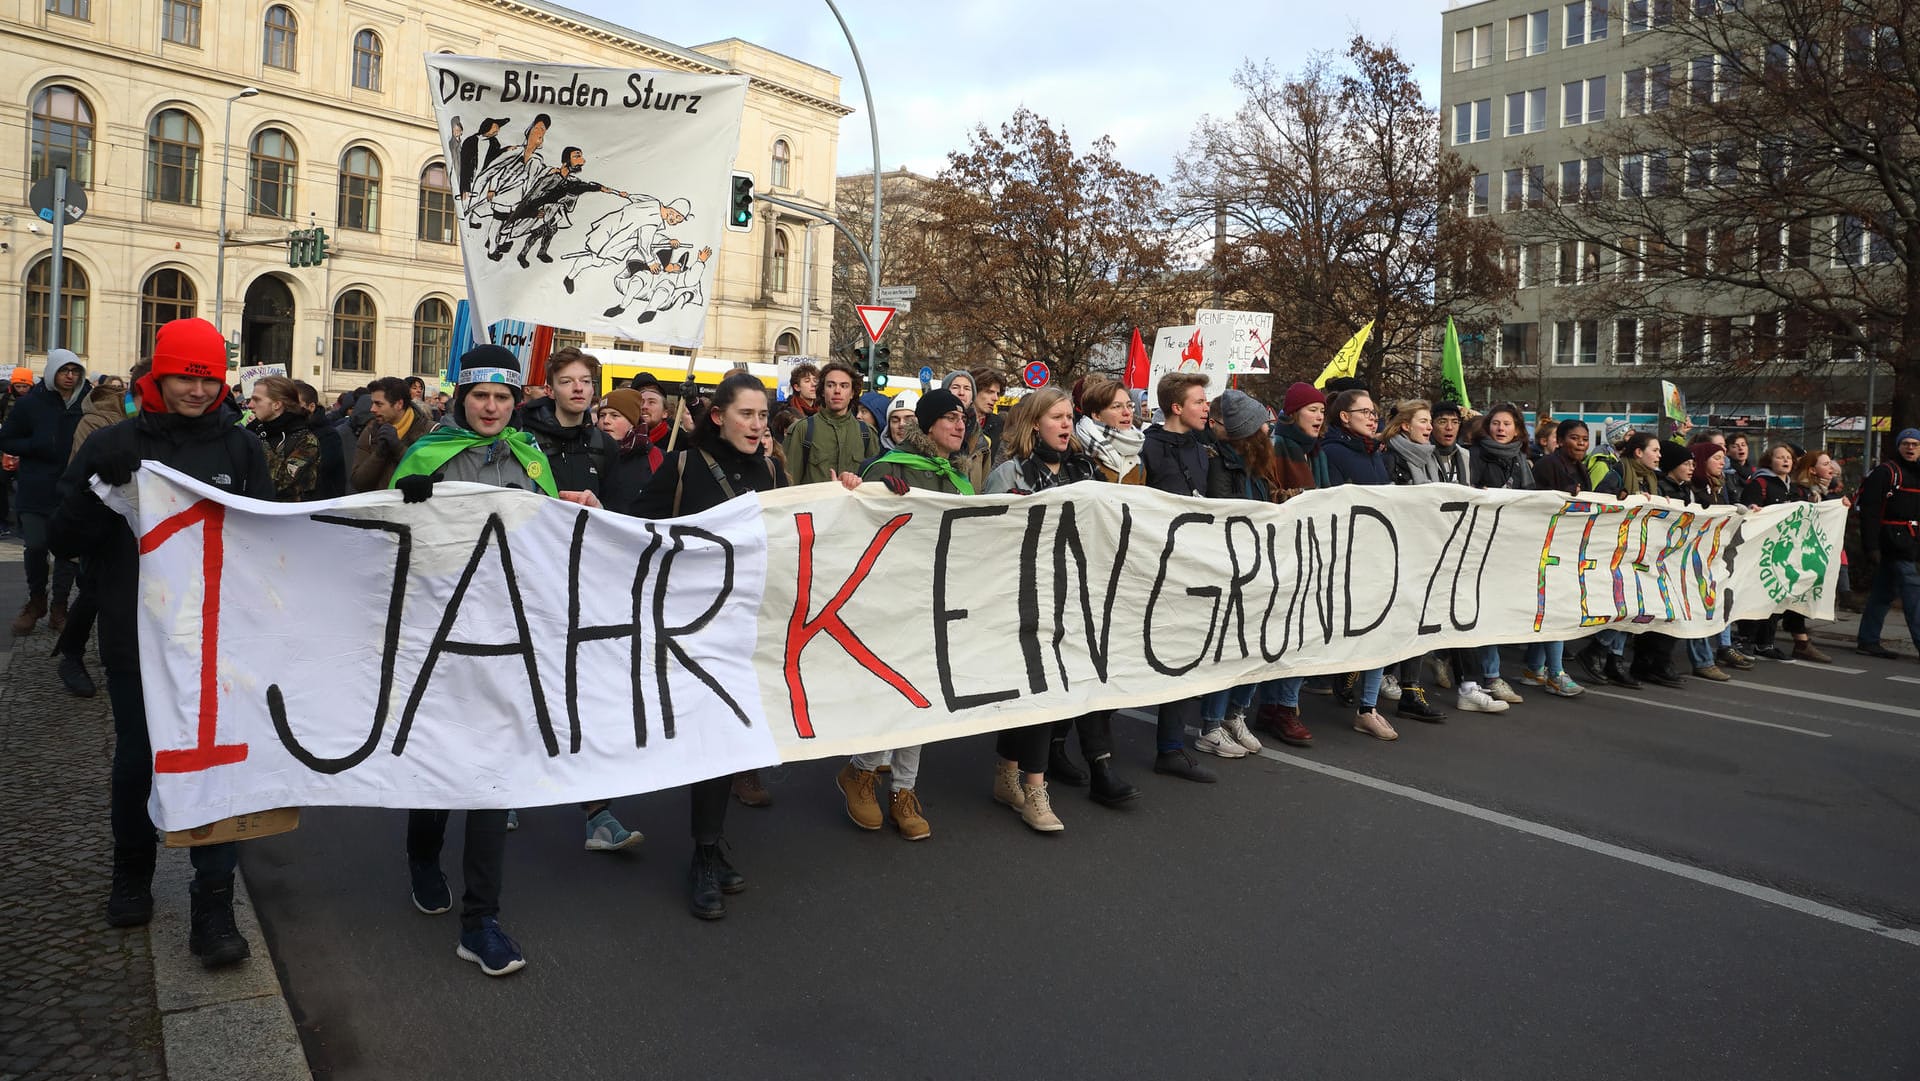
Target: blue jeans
<point x="1551" y="656"/>
<point x="1214" y="705"/>
<point x="1284" y="691"/>
<point x="1891" y="576"/>
<point x="1369" y="689"/>
<point x="1489" y="658"/>
<point x="1614" y="642"/>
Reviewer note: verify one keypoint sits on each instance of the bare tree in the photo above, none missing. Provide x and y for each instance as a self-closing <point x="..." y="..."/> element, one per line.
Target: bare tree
<point x="1338" y="204"/>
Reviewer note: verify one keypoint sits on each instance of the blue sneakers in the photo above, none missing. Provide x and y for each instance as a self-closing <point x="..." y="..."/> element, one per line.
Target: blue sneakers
<point x="430" y="894"/>
<point x="491" y="949"/>
<point x="606" y="834"/>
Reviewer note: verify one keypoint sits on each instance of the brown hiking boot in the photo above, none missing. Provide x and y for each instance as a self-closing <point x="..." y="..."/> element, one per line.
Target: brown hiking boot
<point x="862" y="805"/>
<point x="748" y="789"/>
<point x="1284" y="723"/>
<point x="1804" y="650"/>
<point x="57" y="617"/>
<point x="30" y="614"/>
<point x="905" y="808"/>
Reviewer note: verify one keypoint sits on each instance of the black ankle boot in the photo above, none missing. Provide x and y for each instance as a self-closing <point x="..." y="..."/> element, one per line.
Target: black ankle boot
<point x="1618" y="675"/>
<point x="212" y="936"/>
<point x="1061" y="768"/>
<point x="130" y="902"/>
<point x="705" y="897"/>
<point x="1107" y="786"/>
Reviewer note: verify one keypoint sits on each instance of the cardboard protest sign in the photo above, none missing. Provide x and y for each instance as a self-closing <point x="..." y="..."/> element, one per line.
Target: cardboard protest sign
<point x="496" y="648"/>
<point x="1175" y="349"/>
<point x="253" y="373"/>
<point x="590" y="198"/>
<point x="1237" y="343"/>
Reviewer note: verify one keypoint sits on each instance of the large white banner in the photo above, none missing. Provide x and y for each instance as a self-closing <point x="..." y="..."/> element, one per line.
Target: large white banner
<point x="491" y="648"/>
<point x="590" y="198"/>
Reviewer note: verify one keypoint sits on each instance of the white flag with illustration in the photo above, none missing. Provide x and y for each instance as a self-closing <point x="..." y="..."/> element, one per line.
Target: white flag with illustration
<point x="593" y="199"/>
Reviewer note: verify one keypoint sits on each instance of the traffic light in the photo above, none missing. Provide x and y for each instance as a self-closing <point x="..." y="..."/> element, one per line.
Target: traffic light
<point x="297" y="247"/>
<point x="740" y="210"/>
<point x="307" y="247"/>
<point x="318" y="248"/>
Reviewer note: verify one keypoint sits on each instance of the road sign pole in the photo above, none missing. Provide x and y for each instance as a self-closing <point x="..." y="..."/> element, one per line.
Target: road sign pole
<point x="55" y="272"/>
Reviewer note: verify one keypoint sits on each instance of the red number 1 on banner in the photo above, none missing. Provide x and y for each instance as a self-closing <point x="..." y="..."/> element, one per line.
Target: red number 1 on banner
<point x="208" y="751"/>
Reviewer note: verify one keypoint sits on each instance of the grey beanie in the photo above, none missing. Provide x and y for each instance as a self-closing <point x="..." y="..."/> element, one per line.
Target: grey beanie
<point x="1241" y="414"/>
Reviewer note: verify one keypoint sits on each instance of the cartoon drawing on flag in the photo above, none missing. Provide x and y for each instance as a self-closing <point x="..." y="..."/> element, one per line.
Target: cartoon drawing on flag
<point x="591" y="198"/>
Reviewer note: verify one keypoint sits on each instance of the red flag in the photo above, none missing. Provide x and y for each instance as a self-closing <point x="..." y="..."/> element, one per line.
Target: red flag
<point x="1138" y="367"/>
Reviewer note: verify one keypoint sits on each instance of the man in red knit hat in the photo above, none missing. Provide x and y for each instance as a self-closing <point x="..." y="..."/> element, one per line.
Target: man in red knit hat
<point x="182" y="425"/>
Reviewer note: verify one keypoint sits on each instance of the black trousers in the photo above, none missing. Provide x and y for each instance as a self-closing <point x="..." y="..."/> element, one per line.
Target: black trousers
<point x="80" y="617"/>
<point x="132" y="780"/>
<point x="709" y="799"/>
<point x="1096" y="733"/>
<point x="1027" y="746"/>
<point x="482" y="860"/>
<point x="1170" y="727"/>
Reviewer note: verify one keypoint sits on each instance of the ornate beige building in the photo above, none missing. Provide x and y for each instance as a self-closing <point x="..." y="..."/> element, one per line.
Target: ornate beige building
<point x="134" y="97"/>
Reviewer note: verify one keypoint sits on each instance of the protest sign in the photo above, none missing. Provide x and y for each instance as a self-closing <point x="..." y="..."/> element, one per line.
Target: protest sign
<point x="495" y="648"/>
<point x="1237" y="343"/>
<point x="590" y="198"/>
<point x="1175" y="349"/>
<point x="253" y="373"/>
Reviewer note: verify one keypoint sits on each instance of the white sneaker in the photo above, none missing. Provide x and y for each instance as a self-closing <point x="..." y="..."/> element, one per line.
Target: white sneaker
<point x="1498" y="690"/>
<point x="1474" y="700"/>
<point x="1390" y="688"/>
<point x="1218" y="742"/>
<point x="1236" y="727"/>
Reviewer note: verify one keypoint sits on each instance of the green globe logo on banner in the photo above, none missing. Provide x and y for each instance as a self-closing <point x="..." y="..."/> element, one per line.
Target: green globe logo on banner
<point x="1793" y="559"/>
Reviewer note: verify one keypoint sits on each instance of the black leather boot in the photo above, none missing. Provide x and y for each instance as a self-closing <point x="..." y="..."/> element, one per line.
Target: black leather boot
<point x="1618" y="675"/>
<point x="1107" y="786"/>
<point x="705" y="898"/>
<point x="130" y="902"/>
<point x="1062" y="768"/>
<point x="212" y="935"/>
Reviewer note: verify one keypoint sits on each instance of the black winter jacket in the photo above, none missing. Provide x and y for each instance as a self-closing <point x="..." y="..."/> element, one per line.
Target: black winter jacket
<point x="1890" y="510"/>
<point x="207" y="448"/>
<point x="1352" y="459"/>
<point x="1176" y="463"/>
<point x="684" y="478"/>
<point x="40" y="430"/>
<point x="580" y="455"/>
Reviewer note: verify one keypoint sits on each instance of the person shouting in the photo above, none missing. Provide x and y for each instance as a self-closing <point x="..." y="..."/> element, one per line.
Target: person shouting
<point x="1354" y="456"/>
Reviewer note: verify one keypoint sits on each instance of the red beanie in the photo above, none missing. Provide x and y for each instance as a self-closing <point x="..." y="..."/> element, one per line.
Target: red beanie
<point x="1299" y="396"/>
<point x="190" y="347"/>
<point x="1702" y="452"/>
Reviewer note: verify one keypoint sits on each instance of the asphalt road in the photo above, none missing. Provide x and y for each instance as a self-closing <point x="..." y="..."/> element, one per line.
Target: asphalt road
<point x="1720" y="882"/>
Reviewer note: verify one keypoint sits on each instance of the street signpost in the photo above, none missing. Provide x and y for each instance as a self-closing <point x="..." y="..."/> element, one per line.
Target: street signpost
<point x="894" y="294"/>
<point x="875" y="319"/>
<point x="58" y="200"/>
<point x="41" y="199"/>
<point x="926" y="378"/>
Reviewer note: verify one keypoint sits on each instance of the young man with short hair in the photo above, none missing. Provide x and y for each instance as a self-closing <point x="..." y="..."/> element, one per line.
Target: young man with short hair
<point x="988" y="385"/>
<point x="561" y="423"/>
<point x="832" y="441"/>
<point x="384" y="441"/>
<point x="38" y="433"/>
<point x="1176" y="459"/>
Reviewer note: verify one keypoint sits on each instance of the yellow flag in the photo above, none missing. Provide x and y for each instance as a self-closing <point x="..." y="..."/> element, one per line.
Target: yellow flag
<point x="1346" y="363"/>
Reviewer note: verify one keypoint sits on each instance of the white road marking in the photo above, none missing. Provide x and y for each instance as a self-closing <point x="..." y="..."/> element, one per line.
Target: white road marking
<point x="1764" y="894"/>
<point x="1708" y="713"/>
<point x="1834" y="699"/>
<point x="1904" y="679"/>
<point x="1842" y="669"/>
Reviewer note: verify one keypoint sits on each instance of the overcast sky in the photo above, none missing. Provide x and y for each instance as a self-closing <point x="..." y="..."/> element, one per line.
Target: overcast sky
<point x="1143" y="73"/>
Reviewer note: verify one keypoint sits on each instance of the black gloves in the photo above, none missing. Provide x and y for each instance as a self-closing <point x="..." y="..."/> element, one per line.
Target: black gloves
<point x="894" y="484"/>
<point x="116" y="467"/>
<point x="416" y="487"/>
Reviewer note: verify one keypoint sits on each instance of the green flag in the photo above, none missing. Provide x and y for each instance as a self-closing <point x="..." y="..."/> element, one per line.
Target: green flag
<point x="1450" y="368"/>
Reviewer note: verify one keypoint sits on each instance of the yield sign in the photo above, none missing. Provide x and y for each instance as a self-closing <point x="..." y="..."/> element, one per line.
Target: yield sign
<point x="874" y="319"/>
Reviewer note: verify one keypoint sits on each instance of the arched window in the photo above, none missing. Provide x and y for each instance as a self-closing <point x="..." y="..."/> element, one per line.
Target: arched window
<point x="359" y="190"/>
<point x="366" y="60"/>
<point x="272" y="164"/>
<point x="432" y="336"/>
<point x="173" y="158"/>
<point x="353" y="321"/>
<point x="166" y="295"/>
<point x="73" y="306"/>
<point x="62" y="135"/>
<point x="787" y="345"/>
<point x="777" y="270"/>
<point x="282" y="38"/>
<point x="782" y="158"/>
<point x="436" y="204"/>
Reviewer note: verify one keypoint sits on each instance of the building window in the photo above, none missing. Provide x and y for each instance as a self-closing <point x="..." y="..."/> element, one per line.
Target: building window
<point x="1586" y="22"/>
<point x="1473" y="121"/>
<point x="180" y="22"/>
<point x="787" y="345"/>
<point x="73" y="306"/>
<point x="1856" y="243"/>
<point x="1646" y="90"/>
<point x="272" y="164"/>
<point x="166" y="295"/>
<point x="359" y="190"/>
<point x="72" y="9"/>
<point x="1646" y="14"/>
<point x="1479" y="200"/>
<point x="1473" y="47"/>
<point x="353" y="320"/>
<point x="777" y="271"/>
<point x="436" y="205"/>
<point x="571" y="339"/>
<point x="1583" y="101"/>
<point x="366" y="60"/>
<point x="1526" y="111"/>
<point x="782" y="164"/>
<point x="1576" y="342"/>
<point x="1526" y="187"/>
<point x="173" y="158"/>
<point x="1626" y="341"/>
<point x="1643" y="174"/>
<point x="1519" y="344"/>
<point x="282" y="38"/>
<point x="1526" y="35"/>
<point x="62" y="135"/>
<point x="1580" y="179"/>
<point x="433" y="336"/>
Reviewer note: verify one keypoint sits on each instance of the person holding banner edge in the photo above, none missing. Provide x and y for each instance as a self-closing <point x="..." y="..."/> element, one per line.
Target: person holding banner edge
<point x="1354" y="456"/>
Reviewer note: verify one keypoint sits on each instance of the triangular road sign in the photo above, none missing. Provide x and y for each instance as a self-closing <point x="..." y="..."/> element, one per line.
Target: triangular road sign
<point x="874" y="319"/>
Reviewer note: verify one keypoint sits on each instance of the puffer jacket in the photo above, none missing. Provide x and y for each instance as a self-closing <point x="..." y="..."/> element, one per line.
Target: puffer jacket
<point x="104" y="408"/>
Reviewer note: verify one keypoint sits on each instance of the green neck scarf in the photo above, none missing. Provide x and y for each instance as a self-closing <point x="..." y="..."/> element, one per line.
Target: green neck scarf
<point x="925" y="464"/>
<point x="436" y="448"/>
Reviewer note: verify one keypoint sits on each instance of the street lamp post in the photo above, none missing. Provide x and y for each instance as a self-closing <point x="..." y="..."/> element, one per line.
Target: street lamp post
<point x="220" y="256"/>
<point x="873" y="130"/>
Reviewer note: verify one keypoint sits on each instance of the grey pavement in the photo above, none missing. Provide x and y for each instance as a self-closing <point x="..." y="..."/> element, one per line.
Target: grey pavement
<point x="1716" y="882"/>
<point x="82" y="999"/>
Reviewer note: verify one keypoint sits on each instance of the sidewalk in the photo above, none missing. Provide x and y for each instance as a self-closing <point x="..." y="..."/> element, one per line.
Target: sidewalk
<point x="82" y="999"/>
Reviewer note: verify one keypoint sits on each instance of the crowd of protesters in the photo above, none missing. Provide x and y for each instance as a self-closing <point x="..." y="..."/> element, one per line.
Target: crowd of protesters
<point x="656" y="452"/>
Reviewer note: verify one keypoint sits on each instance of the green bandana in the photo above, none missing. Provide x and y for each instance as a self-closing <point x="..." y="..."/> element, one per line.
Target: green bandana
<point x="926" y="465"/>
<point x="436" y="448"/>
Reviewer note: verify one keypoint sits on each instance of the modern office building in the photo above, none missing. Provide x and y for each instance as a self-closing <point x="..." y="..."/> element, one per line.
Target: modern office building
<point x="141" y="101"/>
